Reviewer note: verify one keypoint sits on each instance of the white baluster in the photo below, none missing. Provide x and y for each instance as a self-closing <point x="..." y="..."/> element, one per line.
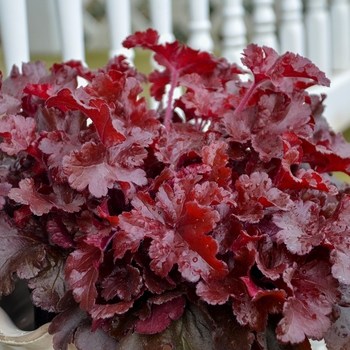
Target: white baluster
<point x="340" y="19"/>
<point x="14" y="33"/>
<point x="70" y="14"/>
<point x="264" y="19"/>
<point x="233" y="30"/>
<point x="318" y="34"/>
<point x="119" y="20"/>
<point x="200" y="26"/>
<point x="291" y="29"/>
<point x="161" y="18"/>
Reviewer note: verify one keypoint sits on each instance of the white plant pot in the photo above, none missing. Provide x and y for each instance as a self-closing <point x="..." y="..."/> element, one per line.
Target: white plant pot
<point x="17" y="330"/>
<point x="13" y="338"/>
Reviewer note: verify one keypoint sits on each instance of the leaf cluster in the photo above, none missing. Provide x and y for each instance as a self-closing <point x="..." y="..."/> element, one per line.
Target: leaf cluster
<point x="211" y="222"/>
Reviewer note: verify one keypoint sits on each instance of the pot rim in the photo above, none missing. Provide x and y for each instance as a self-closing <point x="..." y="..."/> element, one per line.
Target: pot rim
<point x="10" y="334"/>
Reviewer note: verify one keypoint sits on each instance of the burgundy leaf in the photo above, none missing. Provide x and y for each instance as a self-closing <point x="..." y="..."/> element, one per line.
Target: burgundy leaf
<point x="302" y="179"/>
<point x="198" y="221"/>
<point x="215" y="155"/>
<point x="56" y="145"/>
<point x="32" y="73"/>
<point x="96" y="109"/>
<point x="4" y="191"/>
<point x="189" y="332"/>
<point x="59" y="233"/>
<point x="254" y="311"/>
<point x="91" y="166"/>
<point x="62" y="198"/>
<point x="161" y="316"/>
<point x="124" y="282"/>
<point x="99" y="312"/>
<point x="82" y="273"/>
<point x="327" y="155"/>
<point x="20" y="252"/>
<point x="273" y="120"/>
<point x="201" y="101"/>
<point x="209" y="193"/>
<point x="49" y="286"/>
<point x="85" y="339"/>
<point x="255" y="193"/>
<point x="300" y="228"/>
<point x="64" y="326"/>
<point x="18" y="133"/>
<point x="239" y="125"/>
<point x="181" y="140"/>
<point x="218" y="291"/>
<point x="177" y="59"/>
<point x="53" y="120"/>
<point x="305" y="314"/>
<point x="43" y="91"/>
<point x="265" y="63"/>
<point x="336" y="231"/>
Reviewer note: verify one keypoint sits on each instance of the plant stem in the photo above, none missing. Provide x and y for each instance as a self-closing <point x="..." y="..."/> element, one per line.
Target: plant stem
<point x="248" y="95"/>
<point x="168" y="112"/>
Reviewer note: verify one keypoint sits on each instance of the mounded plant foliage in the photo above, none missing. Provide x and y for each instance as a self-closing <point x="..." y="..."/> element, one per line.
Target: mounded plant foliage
<point x="213" y="222"/>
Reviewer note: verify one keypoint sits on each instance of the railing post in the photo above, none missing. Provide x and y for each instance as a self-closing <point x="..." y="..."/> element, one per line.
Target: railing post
<point x="14" y="33"/>
<point x="233" y="30"/>
<point x="264" y="19"/>
<point x="340" y="17"/>
<point x="318" y="34"/>
<point x="70" y="13"/>
<point x="291" y="28"/>
<point x="161" y="18"/>
<point x="119" y="20"/>
<point x="200" y="26"/>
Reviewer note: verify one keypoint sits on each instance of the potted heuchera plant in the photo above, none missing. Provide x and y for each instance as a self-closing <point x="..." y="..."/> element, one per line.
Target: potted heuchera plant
<point x="211" y="223"/>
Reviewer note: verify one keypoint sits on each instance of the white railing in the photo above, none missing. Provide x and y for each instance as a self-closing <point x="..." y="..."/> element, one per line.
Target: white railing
<point x="318" y="29"/>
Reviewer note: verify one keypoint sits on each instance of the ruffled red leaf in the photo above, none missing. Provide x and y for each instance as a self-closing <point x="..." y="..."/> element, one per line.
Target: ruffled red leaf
<point x="301" y="179"/>
<point x="82" y="273"/>
<point x="56" y="145"/>
<point x="300" y="227"/>
<point x="18" y="133"/>
<point x="64" y="326"/>
<point x="305" y="314"/>
<point x="277" y="114"/>
<point x="266" y="64"/>
<point x="95" y="109"/>
<point x="32" y="73"/>
<point x="4" y="191"/>
<point x="86" y="339"/>
<point x="62" y="198"/>
<point x="336" y="232"/>
<point x="92" y="166"/>
<point x="176" y="58"/>
<point x="20" y="252"/>
<point x="255" y="193"/>
<point x="161" y="316"/>
<point x="49" y="286"/>
<point x="254" y="311"/>
<point x="215" y="156"/>
<point x="124" y="282"/>
<point x="43" y="91"/>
